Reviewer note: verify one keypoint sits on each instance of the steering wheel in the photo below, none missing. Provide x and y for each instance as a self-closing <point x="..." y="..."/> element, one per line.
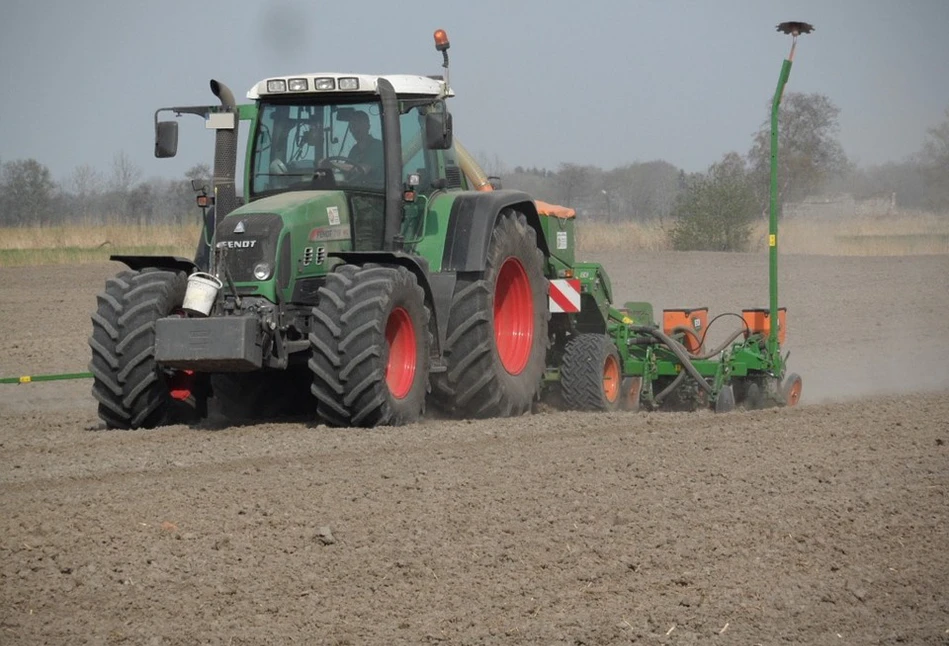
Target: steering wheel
<point x="335" y="162"/>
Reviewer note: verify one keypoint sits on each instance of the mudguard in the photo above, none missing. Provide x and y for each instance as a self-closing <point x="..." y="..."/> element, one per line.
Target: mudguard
<point x="472" y="219"/>
<point x="172" y="263"/>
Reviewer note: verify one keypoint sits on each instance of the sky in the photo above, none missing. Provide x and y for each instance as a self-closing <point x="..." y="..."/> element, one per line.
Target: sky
<point x="537" y="83"/>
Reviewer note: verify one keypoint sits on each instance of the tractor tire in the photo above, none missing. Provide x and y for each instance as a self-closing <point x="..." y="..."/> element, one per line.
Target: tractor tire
<point x="261" y="396"/>
<point x="497" y="329"/>
<point x="590" y="376"/>
<point x="370" y="347"/>
<point x="132" y="390"/>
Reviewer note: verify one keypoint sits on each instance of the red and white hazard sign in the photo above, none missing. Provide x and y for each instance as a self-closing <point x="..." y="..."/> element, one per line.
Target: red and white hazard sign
<point x="564" y="295"/>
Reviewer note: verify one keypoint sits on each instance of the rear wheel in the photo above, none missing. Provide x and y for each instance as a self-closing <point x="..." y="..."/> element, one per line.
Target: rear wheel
<point x="133" y="391"/>
<point x="370" y="347"/>
<point x="590" y="377"/>
<point x="790" y="391"/>
<point x="497" y="328"/>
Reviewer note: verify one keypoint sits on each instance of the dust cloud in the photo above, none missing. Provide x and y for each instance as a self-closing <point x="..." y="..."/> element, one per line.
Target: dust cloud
<point x="857" y="326"/>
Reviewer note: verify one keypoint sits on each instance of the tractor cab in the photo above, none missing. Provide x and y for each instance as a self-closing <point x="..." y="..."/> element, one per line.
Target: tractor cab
<point x="372" y="139"/>
<point x="326" y="131"/>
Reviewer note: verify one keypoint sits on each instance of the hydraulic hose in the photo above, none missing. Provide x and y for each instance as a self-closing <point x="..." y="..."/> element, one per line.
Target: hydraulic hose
<point x="712" y="353"/>
<point x="679" y="351"/>
<point x="672" y="386"/>
<point x="721" y="348"/>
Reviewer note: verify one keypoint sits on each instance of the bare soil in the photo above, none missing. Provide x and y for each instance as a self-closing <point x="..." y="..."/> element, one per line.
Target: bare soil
<point x="823" y="524"/>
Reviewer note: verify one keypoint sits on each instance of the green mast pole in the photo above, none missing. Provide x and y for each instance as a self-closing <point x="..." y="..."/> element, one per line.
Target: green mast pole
<point x="794" y="29"/>
<point x="773" y="210"/>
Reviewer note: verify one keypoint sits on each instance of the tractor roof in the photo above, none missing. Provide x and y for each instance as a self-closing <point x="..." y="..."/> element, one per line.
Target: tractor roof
<point x="328" y="82"/>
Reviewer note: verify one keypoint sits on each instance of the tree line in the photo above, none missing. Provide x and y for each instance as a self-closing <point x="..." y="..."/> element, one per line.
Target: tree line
<point x="29" y="196"/>
<point x="709" y="210"/>
<point x="714" y="210"/>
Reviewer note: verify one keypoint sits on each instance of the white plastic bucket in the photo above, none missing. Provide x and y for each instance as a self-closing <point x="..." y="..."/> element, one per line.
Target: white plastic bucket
<point x="201" y="292"/>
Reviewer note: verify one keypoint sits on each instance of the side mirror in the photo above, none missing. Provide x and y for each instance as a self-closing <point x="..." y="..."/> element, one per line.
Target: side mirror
<point x="166" y="139"/>
<point x="438" y="130"/>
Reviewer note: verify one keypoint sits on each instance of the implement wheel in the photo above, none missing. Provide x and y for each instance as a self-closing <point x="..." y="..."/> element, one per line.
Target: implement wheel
<point x="497" y="329"/>
<point x="725" y="402"/>
<point x="590" y="377"/>
<point x="369" y="346"/>
<point x="630" y="392"/>
<point x="132" y="390"/>
<point x="790" y="391"/>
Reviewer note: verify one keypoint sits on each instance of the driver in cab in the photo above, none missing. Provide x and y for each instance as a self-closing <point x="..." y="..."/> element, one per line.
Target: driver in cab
<point x="366" y="156"/>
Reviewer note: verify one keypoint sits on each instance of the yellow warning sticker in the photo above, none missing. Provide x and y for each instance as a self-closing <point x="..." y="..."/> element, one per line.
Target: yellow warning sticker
<point x="772" y="240"/>
<point x="627" y="320"/>
<point x="25" y="380"/>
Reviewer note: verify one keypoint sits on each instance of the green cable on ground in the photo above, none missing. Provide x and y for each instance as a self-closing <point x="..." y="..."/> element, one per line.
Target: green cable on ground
<point x="28" y="379"/>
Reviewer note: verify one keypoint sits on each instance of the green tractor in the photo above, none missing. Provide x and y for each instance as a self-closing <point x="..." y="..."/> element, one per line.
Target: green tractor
<point x="371" y="270"/>
<point x="363" y="274"/>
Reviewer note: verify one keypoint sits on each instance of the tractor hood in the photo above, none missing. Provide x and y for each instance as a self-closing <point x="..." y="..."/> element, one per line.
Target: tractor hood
<point x="284" y="238"/>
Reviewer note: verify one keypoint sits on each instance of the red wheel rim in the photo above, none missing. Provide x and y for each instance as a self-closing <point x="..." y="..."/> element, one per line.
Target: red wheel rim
<point x="513" y="316"/>
<point x="181" y="384"/>
<point x="611" y="379"/>
<point x="794" y="392"/>
<point x="400" y="368"/>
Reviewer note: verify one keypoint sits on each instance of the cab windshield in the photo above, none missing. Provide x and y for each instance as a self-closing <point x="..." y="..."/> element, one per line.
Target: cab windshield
<point x="317" y="146"/>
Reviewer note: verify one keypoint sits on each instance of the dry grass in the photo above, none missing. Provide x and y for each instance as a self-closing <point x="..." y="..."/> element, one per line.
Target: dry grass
<point x="87" y="236"/>
<point x="902" y="233"/>
<point x="624" y="236"/>
<point x="898" y="234"/>
<point x="84" y="243"/>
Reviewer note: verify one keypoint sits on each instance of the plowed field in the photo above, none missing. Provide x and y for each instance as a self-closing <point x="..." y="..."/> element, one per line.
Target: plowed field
<point x="827" y="523"/>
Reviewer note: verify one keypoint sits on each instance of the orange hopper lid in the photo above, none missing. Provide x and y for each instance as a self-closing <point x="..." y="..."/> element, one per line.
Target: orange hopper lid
<point x="554" y="210"/>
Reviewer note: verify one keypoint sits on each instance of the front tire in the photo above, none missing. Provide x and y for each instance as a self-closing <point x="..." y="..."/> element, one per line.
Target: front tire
<point x="370" y="348"/>
<point x="497" y="329"/>
<point x="133" y="391"/>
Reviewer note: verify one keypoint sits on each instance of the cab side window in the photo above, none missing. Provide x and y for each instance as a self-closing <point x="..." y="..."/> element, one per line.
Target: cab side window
<point x="415" y="158"/>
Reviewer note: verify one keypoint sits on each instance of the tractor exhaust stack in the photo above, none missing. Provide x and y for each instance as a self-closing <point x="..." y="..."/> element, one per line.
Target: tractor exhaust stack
<point x="225" y="154"/>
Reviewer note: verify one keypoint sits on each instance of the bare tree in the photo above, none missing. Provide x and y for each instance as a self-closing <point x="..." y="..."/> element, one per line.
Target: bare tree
<point x="809" y="154"/>
<point x="935" y="164"/>
<point x="86" y="185"/>
<point x="124" y="178"/>
<point x="643" y="190"/>
<point x="125" y="173"/>
<point x="199" y="173"/>
<point x="575" y="184"/>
